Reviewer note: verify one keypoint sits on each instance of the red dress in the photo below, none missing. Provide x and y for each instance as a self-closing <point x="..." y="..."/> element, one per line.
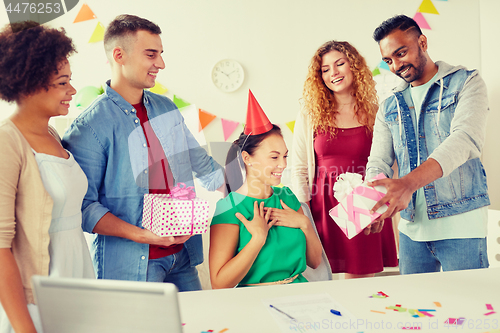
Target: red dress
<point x="348" y="151"/>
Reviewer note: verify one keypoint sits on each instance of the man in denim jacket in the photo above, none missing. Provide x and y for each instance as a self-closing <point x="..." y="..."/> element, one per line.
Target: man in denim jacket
<point x="434" y="127"/>
<point x="111" y="140"/>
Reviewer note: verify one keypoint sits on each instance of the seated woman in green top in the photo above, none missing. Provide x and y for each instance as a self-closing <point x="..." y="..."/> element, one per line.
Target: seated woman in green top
<point x="259" y="234"/>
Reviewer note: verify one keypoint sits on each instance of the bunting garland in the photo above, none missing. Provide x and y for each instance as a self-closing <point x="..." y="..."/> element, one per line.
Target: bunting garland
<point x="421" y="21"/>
<point x="180" y="103"/>
<point x="382" y="64"/>
<point x="98" y="34"/>
<point x="425" y="7"/>
<point x="385" y="81"/>
<point x="205" y="119"/>
<point x="84" y="14"/>
<point x="159" y="88"/>
<point x="228" y="127"/>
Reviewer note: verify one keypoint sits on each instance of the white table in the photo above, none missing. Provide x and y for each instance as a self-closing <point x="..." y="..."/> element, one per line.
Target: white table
<point x="461" y="294"/>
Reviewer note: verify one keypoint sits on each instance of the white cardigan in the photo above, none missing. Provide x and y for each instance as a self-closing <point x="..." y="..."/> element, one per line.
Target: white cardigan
<point x="303" y="159"/>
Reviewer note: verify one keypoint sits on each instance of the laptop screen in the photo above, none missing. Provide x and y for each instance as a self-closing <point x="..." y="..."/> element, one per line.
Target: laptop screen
<point x="88" y="305"/>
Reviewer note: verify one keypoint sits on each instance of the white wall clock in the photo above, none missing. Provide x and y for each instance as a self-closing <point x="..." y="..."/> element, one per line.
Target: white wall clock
<point x="228" y="75"/>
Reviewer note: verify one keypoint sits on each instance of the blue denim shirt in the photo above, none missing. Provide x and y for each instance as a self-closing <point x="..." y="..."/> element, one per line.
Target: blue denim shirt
<point x="108" y="142"/>
<point x="451" y="130"/>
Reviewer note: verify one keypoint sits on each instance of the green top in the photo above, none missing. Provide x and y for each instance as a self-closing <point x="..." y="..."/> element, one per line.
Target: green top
<point x="284" y="253"/>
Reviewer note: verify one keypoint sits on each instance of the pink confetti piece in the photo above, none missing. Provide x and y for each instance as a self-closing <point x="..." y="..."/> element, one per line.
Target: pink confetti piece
<point x="489" y="313"/>
<point x="489" y="307"/>
<point x="426" y="313"/>
<point x="455" y="321"/>
<point x="415" y="328"/>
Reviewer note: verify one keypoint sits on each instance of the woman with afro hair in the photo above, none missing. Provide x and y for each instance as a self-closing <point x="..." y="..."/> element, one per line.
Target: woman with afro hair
<point x="333" y="135"/>
<point x="41" y="185"/>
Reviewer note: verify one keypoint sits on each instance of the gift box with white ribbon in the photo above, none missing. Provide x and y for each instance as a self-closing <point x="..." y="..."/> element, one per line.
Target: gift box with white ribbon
<point x="356" y="199"/>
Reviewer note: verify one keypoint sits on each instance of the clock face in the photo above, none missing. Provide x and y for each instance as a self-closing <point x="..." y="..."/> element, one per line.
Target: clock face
<point x="228" y="75"/>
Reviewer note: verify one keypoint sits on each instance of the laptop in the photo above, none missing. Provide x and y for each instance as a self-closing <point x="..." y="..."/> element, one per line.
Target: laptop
<point x="88" y="305"/>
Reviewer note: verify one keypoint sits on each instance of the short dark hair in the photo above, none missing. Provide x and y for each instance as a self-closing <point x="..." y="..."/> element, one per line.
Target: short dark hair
<point x="401" y="22"/>
<point x="29" y="55"/>
<point x="126" y="25"/>
<point x="234" y="161"/>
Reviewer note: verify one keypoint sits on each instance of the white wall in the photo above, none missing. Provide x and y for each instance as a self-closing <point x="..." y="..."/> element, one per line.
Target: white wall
<point x="274" y="41"/>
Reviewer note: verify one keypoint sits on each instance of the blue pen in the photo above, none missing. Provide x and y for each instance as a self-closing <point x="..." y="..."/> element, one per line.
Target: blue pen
<point x="335" y="312"/>
<point x="286" y="314"/>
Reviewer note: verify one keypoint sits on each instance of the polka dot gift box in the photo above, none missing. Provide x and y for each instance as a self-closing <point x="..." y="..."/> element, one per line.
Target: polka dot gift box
<point x="175" y="214"/>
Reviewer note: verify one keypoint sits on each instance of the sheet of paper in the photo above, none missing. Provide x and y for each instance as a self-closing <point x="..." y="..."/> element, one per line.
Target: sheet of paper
<point x="311" y="313"/>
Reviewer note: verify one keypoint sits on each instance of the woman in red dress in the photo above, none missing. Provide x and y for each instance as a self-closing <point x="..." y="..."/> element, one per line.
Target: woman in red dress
<point x="333" y="135"/>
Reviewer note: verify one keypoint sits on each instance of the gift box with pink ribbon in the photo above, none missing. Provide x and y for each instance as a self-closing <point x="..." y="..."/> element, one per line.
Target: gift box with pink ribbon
<point x="356" y="199"/>
<point x="176" y="214"/>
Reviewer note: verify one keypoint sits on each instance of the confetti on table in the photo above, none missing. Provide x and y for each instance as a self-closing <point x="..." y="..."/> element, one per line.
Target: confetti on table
<point x="380" y="294"/>
<point x="455" y="321"/>
<point x="396" y="308"/>
<point x="222" y="331"/>
<point x="425" y="313"/>
<point x="437" y="304"/>
<point x="489" y="313"/>
<point x="418" y="313"/>
<point x="377" y="311"/>
<point x="489" y="307"/>
<point x="416" y="328"/>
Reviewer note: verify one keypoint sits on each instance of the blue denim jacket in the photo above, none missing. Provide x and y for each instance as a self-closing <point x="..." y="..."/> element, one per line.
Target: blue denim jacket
<point x="451" y="130"/>
<point x="108" y="142"/>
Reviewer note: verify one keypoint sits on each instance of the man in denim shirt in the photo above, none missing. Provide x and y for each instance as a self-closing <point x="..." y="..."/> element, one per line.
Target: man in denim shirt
<point x="434" y="127"/>
<point x="129" y="142"/>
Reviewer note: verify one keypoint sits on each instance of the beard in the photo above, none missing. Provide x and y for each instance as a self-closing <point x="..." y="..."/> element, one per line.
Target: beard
<point x="418" y="68"/>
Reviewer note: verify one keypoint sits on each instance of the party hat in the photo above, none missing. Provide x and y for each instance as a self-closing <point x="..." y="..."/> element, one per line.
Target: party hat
<point x="257" y="121"/>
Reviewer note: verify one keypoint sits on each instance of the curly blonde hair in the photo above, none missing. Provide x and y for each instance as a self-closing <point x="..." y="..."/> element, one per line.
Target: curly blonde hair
<point x="319" y="101"/>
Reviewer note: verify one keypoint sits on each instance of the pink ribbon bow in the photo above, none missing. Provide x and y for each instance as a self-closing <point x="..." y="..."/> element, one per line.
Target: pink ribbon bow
<point x="181" y="192"/>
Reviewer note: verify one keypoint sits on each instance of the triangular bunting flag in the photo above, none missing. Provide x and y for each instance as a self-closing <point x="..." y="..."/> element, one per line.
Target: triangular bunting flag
<point x="291" y="125"/>
<point x="383" y="65"/>
<point x="158" y="89"/>
<point x="422" y="23"/>
<point x="427" y="7"/>
<point x="84" y="14"/>
<point x="228" y="127"/>
<point x="376" y="71"/>
<point x="205" y="118"/>
<point x="98" y="33"/>
<point x="180" y="102"/>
